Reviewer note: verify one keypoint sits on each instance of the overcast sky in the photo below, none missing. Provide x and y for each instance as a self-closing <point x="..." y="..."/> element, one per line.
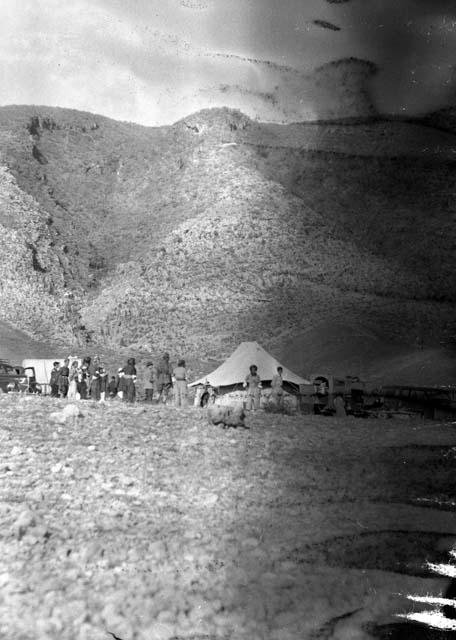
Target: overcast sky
<point x="154" y="61"/>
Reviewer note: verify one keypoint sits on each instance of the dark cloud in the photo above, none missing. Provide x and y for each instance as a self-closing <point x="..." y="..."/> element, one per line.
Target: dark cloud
<point x="326" y="25"/>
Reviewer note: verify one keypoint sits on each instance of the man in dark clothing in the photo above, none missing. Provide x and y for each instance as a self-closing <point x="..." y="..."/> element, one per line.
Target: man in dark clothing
<point x="164" y="384"/>
<point x="54" y="380"/>
<point x="112" y="387"/>
<point x="95" y="386"/>
<point x="64" y="381"/>
<point x="103" y="383"/>
<point x="130" y="379"/>
<point x="83" y="382"/>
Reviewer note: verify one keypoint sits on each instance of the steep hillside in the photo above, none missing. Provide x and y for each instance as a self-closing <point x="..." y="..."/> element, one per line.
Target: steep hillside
<point x="101" y="182"/>
<point x="398" y="210"/>
<point x="258" y="262"/>
<point x="32" y="285"/>
<point x="217" y="229"/>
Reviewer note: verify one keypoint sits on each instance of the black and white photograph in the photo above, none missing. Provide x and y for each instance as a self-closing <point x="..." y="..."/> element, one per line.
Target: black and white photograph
<point x="227" y="319"/>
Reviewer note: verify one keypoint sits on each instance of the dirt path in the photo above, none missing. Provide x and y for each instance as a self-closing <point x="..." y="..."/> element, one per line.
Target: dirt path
<point x="150" y="524"/>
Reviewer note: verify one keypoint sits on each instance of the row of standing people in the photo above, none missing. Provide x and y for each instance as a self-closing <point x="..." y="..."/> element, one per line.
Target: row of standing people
<point x="90" y="380"/>
<point x="162" y="381"/>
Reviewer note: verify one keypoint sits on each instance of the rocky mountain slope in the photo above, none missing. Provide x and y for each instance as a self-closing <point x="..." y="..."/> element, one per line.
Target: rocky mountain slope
<point x="32" y="280"/>
<point x="219" y="228"/>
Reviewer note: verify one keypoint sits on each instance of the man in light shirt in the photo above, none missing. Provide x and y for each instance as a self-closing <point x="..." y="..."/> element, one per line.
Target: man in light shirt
<point x="277" y="387"/>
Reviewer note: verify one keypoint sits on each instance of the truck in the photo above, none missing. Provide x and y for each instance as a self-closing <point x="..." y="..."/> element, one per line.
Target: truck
<point x="18" y="379"/>
<point x="360" y="398"/>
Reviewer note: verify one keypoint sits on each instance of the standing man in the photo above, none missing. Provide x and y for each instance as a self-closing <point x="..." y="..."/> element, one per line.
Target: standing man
<point x="93" y="365"/>
<point x="149" y="382"/>
<point x="64" y="378"/>
<point x="253" y="385"/>
<point x="277" y="387"/>
<point x="180" y="390"/>
<point x="95" y="386"/>
<point x="54" y="380"/>
<point x="73" y="381"/>
<point x="103" y="383"/>
<point x="164" y="384"/>
<point x="130" y="379"/>
<point x="83" y="382"/>
<point x="339" y="405"/>
<point x="112" y="388"/>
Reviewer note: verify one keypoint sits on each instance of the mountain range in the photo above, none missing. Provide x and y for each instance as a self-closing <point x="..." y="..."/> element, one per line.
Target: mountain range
<point x="220" y="228"/>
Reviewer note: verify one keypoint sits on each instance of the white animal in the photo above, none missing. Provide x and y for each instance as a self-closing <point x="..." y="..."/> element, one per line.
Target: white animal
<point x="226" y="416"/>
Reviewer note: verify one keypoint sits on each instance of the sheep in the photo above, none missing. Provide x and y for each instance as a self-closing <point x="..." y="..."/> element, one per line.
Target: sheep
<point x="226" y="416"/>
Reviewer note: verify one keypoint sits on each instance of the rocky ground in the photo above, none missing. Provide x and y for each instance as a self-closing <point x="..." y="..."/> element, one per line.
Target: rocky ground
<point x="147" y="523"/>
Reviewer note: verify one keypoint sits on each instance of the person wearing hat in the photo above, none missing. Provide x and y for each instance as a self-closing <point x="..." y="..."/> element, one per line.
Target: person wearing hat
<point x="54" y="380"/>
<point x="149" y="382"/>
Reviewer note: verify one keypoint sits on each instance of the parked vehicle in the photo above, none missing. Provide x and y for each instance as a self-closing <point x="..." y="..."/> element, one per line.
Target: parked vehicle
<point x="361" y="399"/>
<point x="17" y="379"/>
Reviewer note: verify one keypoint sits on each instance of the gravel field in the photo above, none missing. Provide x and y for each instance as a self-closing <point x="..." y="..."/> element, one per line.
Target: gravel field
<point x="147" y="523"/>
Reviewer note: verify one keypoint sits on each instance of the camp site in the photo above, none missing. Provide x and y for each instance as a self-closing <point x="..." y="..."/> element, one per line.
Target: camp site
<point x="332" y="498"/>
<point x="228" y="320"/>
<point x="312" y="395"/>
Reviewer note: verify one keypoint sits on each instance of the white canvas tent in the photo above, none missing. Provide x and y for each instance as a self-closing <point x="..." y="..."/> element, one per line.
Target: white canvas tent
<point x="235" y="368"/>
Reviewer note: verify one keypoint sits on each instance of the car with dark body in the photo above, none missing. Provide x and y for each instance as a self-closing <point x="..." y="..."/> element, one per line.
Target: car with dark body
<point x="18" y="379"/>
